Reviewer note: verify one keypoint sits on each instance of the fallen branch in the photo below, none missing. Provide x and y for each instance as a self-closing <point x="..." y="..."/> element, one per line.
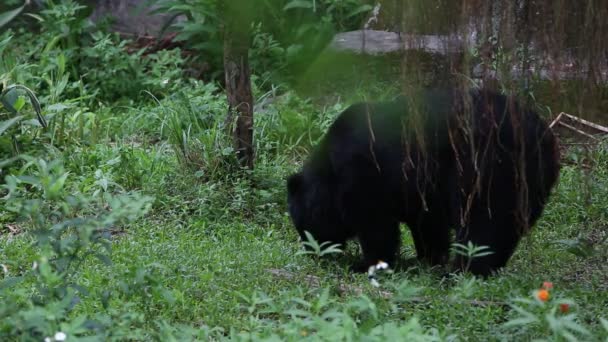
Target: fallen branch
<point x="554" y="122"/>
<point x="375" y="42"/>
<point x="579" y="126"/>
<point x="585" y="122"/>
<point x="12" y="229"/>
<point x="572" y="128"/>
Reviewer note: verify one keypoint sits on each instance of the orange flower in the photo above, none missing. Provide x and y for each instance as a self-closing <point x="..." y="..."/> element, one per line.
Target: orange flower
<point x="542" y="295"/>
<point x="547" y="285"/>
<point x="564" y="308"/>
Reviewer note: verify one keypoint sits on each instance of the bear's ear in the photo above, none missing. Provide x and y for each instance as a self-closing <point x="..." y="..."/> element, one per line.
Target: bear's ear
<point x="294" y="183"/>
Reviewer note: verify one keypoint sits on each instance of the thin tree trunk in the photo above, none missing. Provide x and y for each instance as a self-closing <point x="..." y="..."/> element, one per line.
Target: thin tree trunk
<point x="238" y="88"/>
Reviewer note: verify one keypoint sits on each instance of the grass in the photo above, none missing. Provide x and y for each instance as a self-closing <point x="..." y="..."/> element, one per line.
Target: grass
<point x="201" y="256"/>
<point x="197" y="264"/>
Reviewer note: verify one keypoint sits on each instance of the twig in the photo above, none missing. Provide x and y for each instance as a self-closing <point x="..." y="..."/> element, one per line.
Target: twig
<point x="13" y="229"/>
<point x="556" y="120"/>
<point x="585" y="122"/>
<point x="578" y="131"/>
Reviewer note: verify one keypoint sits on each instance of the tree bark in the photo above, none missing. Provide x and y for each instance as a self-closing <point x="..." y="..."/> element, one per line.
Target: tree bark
<point x="238" y="88"/>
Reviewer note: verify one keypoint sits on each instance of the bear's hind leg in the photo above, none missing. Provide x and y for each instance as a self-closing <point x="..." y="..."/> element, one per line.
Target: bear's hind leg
<point x="499" y="234"/>
<point x="431" y="236"/>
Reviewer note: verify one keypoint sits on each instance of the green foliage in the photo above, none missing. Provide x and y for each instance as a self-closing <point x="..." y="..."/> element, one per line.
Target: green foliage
<point x="470" y="252"/>
<point x="553" y="317"/>
<point x="319" y="250"/>
<point x="291" y="124"/>
<point x="8" y="16"/>
<point x="195" y="127"/>
<point x="11" y="103"/>
<point x="63" y="61"/>
<point x="195" y="266"/>
<point x="201" y="29"/>
<point x="286" y="35"/>
<point x="67" y="231"/>
<point x="307" y="26"/>
<point x="323" y="318"/>
<point x="126" y="222"/>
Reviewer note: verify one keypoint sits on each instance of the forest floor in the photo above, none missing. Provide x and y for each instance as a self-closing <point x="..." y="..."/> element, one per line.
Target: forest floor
<point x="220" y="256"/>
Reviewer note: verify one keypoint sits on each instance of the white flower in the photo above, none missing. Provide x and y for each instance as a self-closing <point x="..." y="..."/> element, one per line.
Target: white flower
<point x="60" y="336"/>
<point x="47" y="339"/>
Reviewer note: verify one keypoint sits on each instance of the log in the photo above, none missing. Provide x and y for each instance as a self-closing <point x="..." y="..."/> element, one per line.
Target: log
<point x="376" y="43"/>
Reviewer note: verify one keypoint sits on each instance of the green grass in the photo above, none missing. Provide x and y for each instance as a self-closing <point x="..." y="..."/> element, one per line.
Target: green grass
<point x="198" y="264"/>
<point x="201" y="257"/>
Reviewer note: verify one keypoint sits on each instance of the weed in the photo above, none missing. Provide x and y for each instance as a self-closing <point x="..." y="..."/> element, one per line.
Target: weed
<point x="123" y="221"/>
<point x="470" y="252"/>
<point x="319" y="250"/>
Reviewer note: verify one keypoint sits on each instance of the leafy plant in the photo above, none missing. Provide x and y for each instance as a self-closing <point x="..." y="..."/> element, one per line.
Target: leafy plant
<point x="195" y="128"/>
<point x="286" y="35"/>
<point x="8" y="16"/>
<point x="470" y="252"/>
<point x="201" y="29"/>
<point x="67" y="230"/>
<point x="319" y="250"/>
<point x="12" y="104"/>
<point x="550" y="316"/>
<point x="580" y="246"/>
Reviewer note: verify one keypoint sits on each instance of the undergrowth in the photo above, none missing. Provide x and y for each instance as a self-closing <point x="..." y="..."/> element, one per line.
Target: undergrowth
<point x="127" y="219"/>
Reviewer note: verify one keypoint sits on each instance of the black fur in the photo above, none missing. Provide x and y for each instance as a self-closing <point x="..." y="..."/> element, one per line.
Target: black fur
<point x="480" y="164"/>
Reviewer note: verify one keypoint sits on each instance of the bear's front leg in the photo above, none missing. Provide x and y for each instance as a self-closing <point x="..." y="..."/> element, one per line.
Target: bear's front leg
<point x="380" y="241"/>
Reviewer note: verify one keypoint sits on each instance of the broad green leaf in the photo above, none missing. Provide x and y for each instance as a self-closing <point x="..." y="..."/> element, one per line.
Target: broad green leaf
<point x="4" y="125"/>
<point x="3" y="45"/>
<point x="55" y="189"/>
<point x="33" y="100"/>
<point x="7" y="17"/>
<point x="19" y="103"/>
<point x="298" y="4"/>
<point x="6" y="162"/>
<point x="359" y="10"/>
<point x="35" y="16"/>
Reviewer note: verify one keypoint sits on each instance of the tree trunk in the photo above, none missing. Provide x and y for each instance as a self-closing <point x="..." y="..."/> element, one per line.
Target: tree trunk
<point x="238" y="88"/>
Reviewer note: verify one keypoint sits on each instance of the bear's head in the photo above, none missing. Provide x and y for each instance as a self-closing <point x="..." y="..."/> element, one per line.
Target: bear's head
<point x="311" y="208"/>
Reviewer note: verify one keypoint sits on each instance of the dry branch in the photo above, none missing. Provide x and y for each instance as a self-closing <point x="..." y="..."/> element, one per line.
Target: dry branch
<point x="572" y="128"/>
<point x="579" y="126"/>
<point x="554" y="122"/>
<point x="585" y="122"/>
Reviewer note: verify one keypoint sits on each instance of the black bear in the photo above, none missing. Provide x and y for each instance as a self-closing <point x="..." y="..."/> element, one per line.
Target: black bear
<point x="474" y="161"/>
